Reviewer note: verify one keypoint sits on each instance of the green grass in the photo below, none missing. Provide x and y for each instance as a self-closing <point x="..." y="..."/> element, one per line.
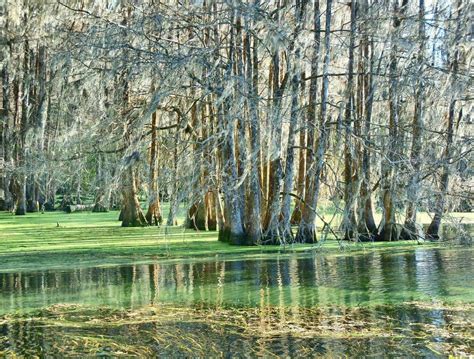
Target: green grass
<point x="35" y="241"/>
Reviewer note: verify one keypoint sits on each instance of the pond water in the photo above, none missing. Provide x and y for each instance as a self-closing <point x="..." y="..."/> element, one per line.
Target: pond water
<point x="422" y="293"/>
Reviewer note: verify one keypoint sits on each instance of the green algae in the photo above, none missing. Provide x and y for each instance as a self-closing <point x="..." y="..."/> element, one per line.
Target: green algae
<point x="96" y="239"/>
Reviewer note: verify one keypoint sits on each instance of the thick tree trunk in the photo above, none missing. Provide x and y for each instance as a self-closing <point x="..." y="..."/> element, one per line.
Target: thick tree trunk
<point x="307" y="228"/>
<point x="153" y="215"/>
<point x="271" y="223"/>
<point x="300" y="182"/>
<point x="288" y="182"/>
<point x="4" y="136"/>
<point x="131" y="214"/>
<point x="253" y="216"/>
<point x="389" y="231"/>
<point x="410" y="228"/>
<point x="171" y="220"/>
<point x="19" y="194"/>
<point x="233" y="229"/>
<point x="32" y="203"/>
<point x="367" y="227"/>
<point x="348" y="221"/>
<point x="433" y="230"/>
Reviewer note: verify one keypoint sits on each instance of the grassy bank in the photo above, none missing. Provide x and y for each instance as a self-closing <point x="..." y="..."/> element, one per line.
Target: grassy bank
<point x="57" y="240"/>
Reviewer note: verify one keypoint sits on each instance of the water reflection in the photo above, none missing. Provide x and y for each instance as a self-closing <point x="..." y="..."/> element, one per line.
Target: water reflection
<point x="294" y="282"/>
<point x="301" y="305"/>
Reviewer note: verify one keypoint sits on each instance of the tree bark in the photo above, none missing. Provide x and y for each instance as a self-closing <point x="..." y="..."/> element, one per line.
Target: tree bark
<point x="348" y="221"/>
<point x="307" y="228"/>
<point x="271" y="221"/>
<point x="4" y="139"/>
<point x="410" y="227"/>
<point x="132" y="215"/>
<point x="253" y="216"/>
<point x="171" y="220"/>
<point x="389" y="230"/>
<point x="22" y="98"/>
<point x="367" y="227"/>
<point x="432" y="232"/>
<point x="288" y="181"/>
<point x="153" y="215"/>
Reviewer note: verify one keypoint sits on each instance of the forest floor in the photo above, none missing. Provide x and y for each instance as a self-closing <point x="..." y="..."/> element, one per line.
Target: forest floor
<point x="56" y="239"/>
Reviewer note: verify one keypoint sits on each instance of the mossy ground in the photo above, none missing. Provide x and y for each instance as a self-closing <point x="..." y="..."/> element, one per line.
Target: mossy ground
<point x="56" y="240"/>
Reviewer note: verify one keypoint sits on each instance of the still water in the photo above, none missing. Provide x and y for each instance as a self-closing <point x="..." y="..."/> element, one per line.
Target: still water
<point x="299" y="280"/>
<point x="374" y="285"/>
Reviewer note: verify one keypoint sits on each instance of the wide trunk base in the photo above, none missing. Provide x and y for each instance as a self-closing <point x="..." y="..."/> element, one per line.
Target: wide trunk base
<point x="306" y="233"/>
<point x="409" y="231"/>
<point x="240" y="239"/>
<point x="296" y="216"/>
<point x="390" y="232"/>
<point x="153" y="215"/>
<point x="432" y="233"/>
<point x="99" y="207"/>
<point x="134" y="220"/>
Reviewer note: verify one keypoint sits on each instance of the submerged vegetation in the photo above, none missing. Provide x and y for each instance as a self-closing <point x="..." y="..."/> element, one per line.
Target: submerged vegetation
<point x="405" y="331"/>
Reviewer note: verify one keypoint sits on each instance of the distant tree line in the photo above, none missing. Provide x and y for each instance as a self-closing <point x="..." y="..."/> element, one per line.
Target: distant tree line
<point x="255" y="115"/>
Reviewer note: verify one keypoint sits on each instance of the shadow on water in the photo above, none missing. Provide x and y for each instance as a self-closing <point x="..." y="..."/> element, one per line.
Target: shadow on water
<point x="403" y="303"/>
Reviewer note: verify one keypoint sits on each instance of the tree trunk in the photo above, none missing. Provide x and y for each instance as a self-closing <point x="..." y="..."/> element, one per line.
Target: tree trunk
<point x="389" y="230"/>
<point x="300" y="183"/>
<point x="253" y="216"/>
<point x="288" y="182"/>
<point x="233" y="228"/>
<point x="432" y="232"/>
<point x="410" y="227"/>
<point x="19" y="194"/>
<point x="348" y="221"/>
<point x="367" y="227"/>
<point x="271" y="222"/>
<point x="32" y="203"/>
<point x="102" y="198"/>
<point x="171" y="221"/>
<point x="131" y="214"/>
<point x="4" y="135"/>
<point x="22" y="98"/>
<point x="307" y="228"/>
<point x="153" y="215"/>
<point x="234" y="232"/>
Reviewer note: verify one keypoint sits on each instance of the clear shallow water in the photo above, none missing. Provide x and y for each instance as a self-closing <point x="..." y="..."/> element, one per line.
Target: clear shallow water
<point x="299" y="280"/>
<point x="293" y="305"/>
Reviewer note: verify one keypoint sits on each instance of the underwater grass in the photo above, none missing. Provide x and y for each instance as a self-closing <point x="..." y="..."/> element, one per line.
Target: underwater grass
<point x="168" y="330"/>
